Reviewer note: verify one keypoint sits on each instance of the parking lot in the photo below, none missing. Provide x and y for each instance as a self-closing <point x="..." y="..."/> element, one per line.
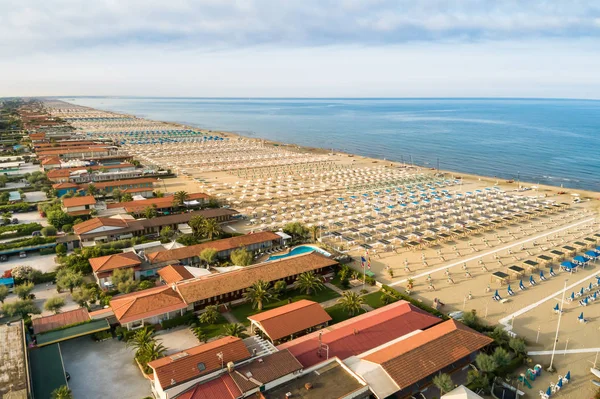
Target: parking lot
<point x="102" y="370"/>
<point x="43" y="263"/>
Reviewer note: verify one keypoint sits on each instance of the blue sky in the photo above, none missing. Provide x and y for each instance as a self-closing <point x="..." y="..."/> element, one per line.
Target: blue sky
<point x="314" y="48"/>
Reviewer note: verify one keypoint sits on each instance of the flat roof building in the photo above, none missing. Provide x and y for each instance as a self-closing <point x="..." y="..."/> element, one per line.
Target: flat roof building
<point x="14" y="368"/>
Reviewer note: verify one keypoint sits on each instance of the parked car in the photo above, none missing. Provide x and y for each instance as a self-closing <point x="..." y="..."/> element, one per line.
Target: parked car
<point x="3" y="258"/>
<point x="22" y="254"/>
<point x="36" y="234"/>
<point x="15" y="221"/>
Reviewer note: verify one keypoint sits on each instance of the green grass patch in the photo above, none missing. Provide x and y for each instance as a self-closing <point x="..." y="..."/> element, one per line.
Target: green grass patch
<point x="374" y="300"/>
<point x="241" y="312"/>
<point x="214" y="330"/>
<point x="338" y="314"/>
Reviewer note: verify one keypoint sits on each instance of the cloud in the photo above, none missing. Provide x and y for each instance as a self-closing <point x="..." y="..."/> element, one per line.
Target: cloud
<point x="37" y="26"/>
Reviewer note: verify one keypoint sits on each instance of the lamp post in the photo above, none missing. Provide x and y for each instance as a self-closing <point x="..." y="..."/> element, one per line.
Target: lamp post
<point x="562" y="304"/>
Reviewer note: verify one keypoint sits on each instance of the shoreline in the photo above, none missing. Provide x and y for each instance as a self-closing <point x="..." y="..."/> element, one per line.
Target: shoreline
<point x="502" y="182"/>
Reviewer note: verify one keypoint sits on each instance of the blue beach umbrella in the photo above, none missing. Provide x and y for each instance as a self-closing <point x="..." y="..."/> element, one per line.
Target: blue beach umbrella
<point x="549" y="391"/>
<point x="556" y="308"/>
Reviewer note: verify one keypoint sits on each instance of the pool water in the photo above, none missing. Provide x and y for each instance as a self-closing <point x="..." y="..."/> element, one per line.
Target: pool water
<point x="302" y="249"/>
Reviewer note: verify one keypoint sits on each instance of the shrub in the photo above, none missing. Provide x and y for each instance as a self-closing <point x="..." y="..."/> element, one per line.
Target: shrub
<point x="102" y="335"/>
<point x="19" y="230"/>
<point x="48" y="251"/>
<point x="186" y="319"/>
<point x="49" y="231"/>
<point x="60" y="249"/>
<point x="414" y="302"/>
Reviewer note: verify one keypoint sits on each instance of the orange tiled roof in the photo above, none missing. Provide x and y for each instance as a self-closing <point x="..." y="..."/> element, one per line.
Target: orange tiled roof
<point x="428" y="352"/>
<point x="184" y="366"/>
<point x="220" y="388"/>
<point x="94" y="223"/>
<point x="174" y="273"/>
<point x="47" y="323"/>
<point x="292" y="318"/>
<point x="51" y="161"/>
<point x="222" y="283"/>
<point x="79" y="201"/>
<point x="64" y="185"/>
<point x="67" y="150"/>
<point x="145" y="304"/>
<point x="116" y="261"/>
<point x="159" y="203"/>
<point x="220" y="245"/>
<point x="118" y="183"/>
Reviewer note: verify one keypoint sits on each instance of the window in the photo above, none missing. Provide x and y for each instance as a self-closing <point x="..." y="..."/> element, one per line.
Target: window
<point x="201" y="367"/>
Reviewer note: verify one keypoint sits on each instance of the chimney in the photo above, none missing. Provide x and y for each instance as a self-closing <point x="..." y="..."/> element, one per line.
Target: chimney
<point x="355" y="331"/>
<point x="230" y="366"/>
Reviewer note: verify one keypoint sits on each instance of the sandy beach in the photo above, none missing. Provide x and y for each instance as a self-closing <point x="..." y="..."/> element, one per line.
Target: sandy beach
<point x="490" y="225"/>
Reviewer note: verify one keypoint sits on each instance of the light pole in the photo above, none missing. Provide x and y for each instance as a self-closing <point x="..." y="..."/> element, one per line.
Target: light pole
<point x="562" y="304"/>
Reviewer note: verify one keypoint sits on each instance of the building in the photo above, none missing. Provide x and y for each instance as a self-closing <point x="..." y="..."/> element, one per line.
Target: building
<point x="46" y="323"/>
<point x="14" y="368"/>
<point x="443" y="348"/>
<point x="163" y="204"/>
<point x="105" y="229"/>
<point x="190" y="255"/>
<point x="290" y="320"/>
<point x="230" y="287"/>
<point x="360" y="334"/>
<point x="143" y="186"/>
<point x="49" y="163"/>
<point x="461" y="392"/>
<point x="85" y="152"/>
<point x="104" y="266"/>
<point x="64" y="188"/>
<point x="149" y="306"/>
<point x="175" y="273"/>
<point x="79" y="206"/>
<point x="93" y="173"/>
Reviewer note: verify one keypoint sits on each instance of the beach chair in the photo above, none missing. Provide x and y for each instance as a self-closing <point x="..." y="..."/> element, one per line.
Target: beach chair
<point x="522" y="286"/>
<point x="496" y="296"/>
<point x="543" y="395"/>
<point x="581" y="319"/>
<point x="552" y="272"/>
<point x="567" y="378"/>
<point x="583" y="302"/>
<point x="542" y="277"/>
<point x="532" y="281"/>
<point x="510" y="291"/>
<point x="579" y="294"/>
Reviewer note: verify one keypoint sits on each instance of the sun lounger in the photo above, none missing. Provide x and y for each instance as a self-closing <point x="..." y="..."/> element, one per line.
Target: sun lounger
<point x="532" y="281"/>
<point x="522" y="286"/>
<point x="510" y="291"/>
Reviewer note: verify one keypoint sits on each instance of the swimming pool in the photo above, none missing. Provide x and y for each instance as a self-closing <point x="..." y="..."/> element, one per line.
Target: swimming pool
<point x="301" y="249"/>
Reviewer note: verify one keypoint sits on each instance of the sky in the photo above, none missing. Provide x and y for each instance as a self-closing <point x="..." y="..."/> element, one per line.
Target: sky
<point x="300" y="48"/>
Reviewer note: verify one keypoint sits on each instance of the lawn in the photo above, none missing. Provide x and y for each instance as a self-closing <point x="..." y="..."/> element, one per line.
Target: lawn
<point x="241" y="312"/>
<point x="338" y="314"/>
<point x="214" y="330"/>
<point x="374" y="299"/>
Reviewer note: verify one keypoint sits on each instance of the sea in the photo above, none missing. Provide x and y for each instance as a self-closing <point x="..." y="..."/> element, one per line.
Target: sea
<point x="540" y="141"/>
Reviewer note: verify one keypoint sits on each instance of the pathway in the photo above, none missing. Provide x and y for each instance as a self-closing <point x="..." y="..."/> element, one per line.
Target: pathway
<point x="564" y="352"/>
<point x="230" y="317"/>
<point x="503" y="248"/>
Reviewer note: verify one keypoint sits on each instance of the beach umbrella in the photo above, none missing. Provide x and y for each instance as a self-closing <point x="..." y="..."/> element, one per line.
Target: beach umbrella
<point x="572" y="296"/>
<point x="581" y="291"/>
<point x="580" y="316"/>
<point x="568" y="376"/>
<point x="556" y="308"/>
<point x="549" y="391"/>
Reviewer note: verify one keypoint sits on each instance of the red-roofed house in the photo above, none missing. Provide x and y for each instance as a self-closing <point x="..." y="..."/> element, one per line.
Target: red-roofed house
<point x="77" y="206"/>
<point x="360" y="334"/>
<point x="149" y="306"/>
<point x="407" y="365"/>
<point x="174" y="273"/>
<point x="104" y="266"/>
<point x="292" y="319"/>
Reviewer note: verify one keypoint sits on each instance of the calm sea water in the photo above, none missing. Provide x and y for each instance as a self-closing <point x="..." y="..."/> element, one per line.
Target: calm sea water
<point x="541" y="141"/>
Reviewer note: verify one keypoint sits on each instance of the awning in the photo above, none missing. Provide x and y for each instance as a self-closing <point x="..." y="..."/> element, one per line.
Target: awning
<point x="79" y="330"/>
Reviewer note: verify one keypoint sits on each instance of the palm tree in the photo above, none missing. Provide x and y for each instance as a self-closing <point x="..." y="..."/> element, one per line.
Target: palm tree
<point x="198" y="224"/>
<point x="210" y="315"/>
<point x="63" y="392"/>
<point x="211" y="228"/>
<point x="309" y="281"/>
<point x="141" y="339"/>
<point x="314" y="231"/>
<point x="444" y="383"/>
<point x="199" y="333"/>
<point x="179" y="198"/>
<point x="234" y="330"/>
<point x="154" y="350"/>
<point x="91" y="189"/>
<point x="351" y="302"/>
<point x="259" y="293"/>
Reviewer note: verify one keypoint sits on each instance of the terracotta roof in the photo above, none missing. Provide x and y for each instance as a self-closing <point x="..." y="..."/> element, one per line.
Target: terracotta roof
<point x="79" y="213"/>
<point x="219" y="388"/>
<point x="51" y="161"/>
<point x="68" y="150"/>
<point x="174" y="273"/>
<point x="220" y="245"/>
<point x="118" y="183"/>
<point x="361" y="333"/>
<point x="66" y="172"/>
<point x="147" y="303"/>
<point x="94" y="223"/>
<point x="216" y="284"/>
<point x="268" y="369"/>
<point x="428" y="352"/>
<point x="64" y="185"/>
<point x="58" y="173"/>
<point x="79" y="201"/>
<point x="47" y="323"/>
<point x="292" y="318"/>
<point x="185" y="365"/>
<point x="116" y="261"/>
<point x="159" y="203"/>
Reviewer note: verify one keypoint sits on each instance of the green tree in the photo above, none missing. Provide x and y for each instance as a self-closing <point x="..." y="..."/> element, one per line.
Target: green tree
<point x="296" y="229"/>
<point x="443" y="382"/>
<point x="123" y="279"/>
<point x="179" y="198"/>
<point x="142" y="339"/>
<point x="63" y="392"/>
<point x="234" y="330"/>
<point x="259" y="293"/>
<point x="501" y="357"/>
<point x="49" y="231"/>
<point x="211" y="228"/>
<point x="309" y="282"/>
<point x="208" y="255"/>
<point x="117" y="194"/>
<point x="241" y="257"/>
<point x="23" y="272"/>
<point x="22" y="307"/>
<point x="92" y="190"/>
<point x="150" y="212"/>
<point x="279" y="287"/>
<point x="518" y="345"/>
<point x="314" y="232"/>
<point x="485" y="363"/>
<point x="499" y="335"/>
<point x="86" y="296"/>
<point x="61" y="249"/>
<point x="154" y="350"/>
<point x="198" y="223"/>
<point x="351" y="302"/>
<point x="478" y="380"/>
<point x="68" y="279"/>
<point x="210" y="315"/>
<point x="387" y="297"/>
<point x="167" y="233"/>
<point x="23" y="290"/>
<point x="54" y="304"/>
<point x="470" y="319"/>
<point x="3" y="293"/>
<point x="127" y="197"/>
<point x="58" y="218"/>
<point x="159" y="194"/>
<point x="344" y="272"/>
<point x="144" y="285"/>
<point x="199" y="333"/>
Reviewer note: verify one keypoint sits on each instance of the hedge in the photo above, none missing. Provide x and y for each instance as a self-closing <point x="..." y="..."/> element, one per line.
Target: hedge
<point x="27" y="242"/>
<point x="19" y="207"/>
<point x="413" y="301"/>
<point x="186" y="318"/>
<point x="19" y="230"/>
<point x="43" y="278"/>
